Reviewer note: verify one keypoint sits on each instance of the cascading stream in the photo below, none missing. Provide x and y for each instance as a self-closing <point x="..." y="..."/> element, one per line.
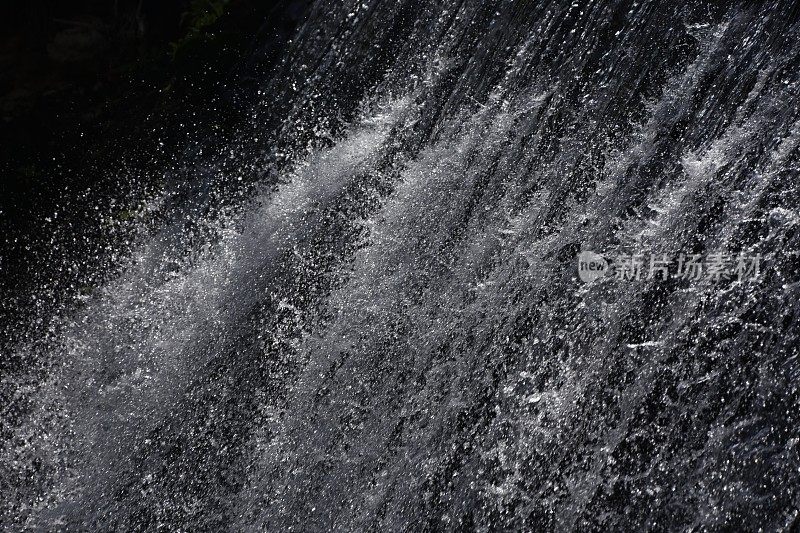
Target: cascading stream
<point x="391" y="333"/>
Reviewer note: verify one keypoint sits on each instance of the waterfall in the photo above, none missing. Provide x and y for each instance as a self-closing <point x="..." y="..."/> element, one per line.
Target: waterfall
<point x="387" y="330"/>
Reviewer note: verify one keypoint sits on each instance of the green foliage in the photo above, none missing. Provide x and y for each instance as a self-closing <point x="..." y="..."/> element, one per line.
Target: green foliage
<point x="203" y="13"/>
<point x="200" y="15"/>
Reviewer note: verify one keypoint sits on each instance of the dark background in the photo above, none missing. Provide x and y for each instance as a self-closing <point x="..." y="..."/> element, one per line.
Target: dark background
<point x="97" y="99"/>
<point x="70" y="70"/>
<point x="77" y="73"/>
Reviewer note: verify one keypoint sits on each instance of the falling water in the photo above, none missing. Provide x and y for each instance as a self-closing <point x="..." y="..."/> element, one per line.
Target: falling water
<point x="389" y="333"/>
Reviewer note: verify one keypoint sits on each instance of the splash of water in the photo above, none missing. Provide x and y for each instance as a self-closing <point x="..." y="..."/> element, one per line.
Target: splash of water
<point x="392" y="334"/>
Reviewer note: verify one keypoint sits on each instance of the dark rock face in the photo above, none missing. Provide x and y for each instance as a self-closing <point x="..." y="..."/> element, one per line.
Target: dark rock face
<point x="360" y="309"/>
